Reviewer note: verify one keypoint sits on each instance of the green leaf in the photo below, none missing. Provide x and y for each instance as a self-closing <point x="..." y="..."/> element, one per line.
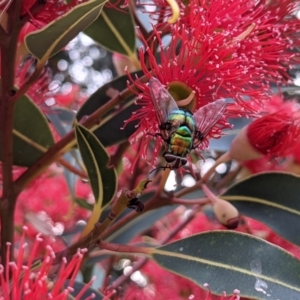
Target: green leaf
<point x="110" y="133"/>
<point x="102" y="178"/>
<point x="229" y="260"/>
<point x="32" y="135"/>
<point x="51" y="39"/>
<point x="62" y="119"/>
<point x="272" y="198"/>
<point x="83" y="203"/>
<point x="114" y="30"/>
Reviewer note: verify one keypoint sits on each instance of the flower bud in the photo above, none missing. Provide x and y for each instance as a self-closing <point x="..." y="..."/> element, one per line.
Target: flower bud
<point x="272" y="135"/>
<point x="226" y="214"/>
<point x="241" y="148"/>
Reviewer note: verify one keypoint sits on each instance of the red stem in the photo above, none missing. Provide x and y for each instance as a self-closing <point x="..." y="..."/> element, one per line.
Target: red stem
<point x="123" y="248"/>
<point x="8" y="58"/>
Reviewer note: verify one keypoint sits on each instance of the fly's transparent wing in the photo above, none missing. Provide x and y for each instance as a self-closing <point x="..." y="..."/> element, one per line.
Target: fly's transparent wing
<point x="207" y="116"/>
<point x="163" y="102"/>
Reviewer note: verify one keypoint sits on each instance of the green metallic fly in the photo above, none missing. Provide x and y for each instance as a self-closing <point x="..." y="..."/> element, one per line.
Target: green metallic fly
<point x="181" y="130"/>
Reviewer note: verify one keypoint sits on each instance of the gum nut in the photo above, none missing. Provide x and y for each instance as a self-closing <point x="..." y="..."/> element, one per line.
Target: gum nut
<point x="226" y="214"/>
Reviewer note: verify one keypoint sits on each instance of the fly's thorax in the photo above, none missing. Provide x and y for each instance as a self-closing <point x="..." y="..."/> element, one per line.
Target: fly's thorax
<point x="183" y="118"/>
<point x="184" y="132"/>
<point x="177" y="117"/>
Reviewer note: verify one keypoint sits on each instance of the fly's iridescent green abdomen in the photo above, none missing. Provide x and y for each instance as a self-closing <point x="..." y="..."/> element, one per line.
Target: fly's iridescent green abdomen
<point x="180" y="142"/>
<point x="181" y="130"/>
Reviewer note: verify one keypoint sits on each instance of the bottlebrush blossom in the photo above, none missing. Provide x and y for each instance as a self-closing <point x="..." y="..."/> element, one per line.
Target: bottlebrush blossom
<point x="226" y="51"/>
<point x="181" y="74"/>
<point x="273" y="135"/>
<point x="242" y="47"/>
<point x="259" y="37"/>
<point x="31" y="280"/>
<point x="264" y="31"/>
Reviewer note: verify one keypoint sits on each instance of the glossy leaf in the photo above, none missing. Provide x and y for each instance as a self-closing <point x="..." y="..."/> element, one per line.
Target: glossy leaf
<point x="272" y="198"/>
<point x="62" y="119"/>
<point x="110" y="30"/>
<point x="92" y="149"/>
<point x="83" y="203"/>
<point x="102" y="178"/>
<point x="49" y="40"/>
<point x="32" y="135"/>
<point x="110" y="133"/>
<point x="229" y="260"/>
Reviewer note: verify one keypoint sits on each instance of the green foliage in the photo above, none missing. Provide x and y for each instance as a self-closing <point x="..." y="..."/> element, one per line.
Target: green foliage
<point x="47" y="41"/>
<point x="114" y="30"/>
<point x="272" y="198"/>
<point x="110" y="132"/>
<point x="31" y="133"/>
<point x="230" y="260"/>
<point x="103" y="179"/>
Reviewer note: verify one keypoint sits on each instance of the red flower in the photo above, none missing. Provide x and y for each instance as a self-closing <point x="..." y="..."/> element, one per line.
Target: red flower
<point x="226" y="51"/>
<point x="182" y="74"/>
<point x="20" y="280"/>
<point x="247" y="46"/>
<point x="273" y="135"/>
<point x="261" y="34"/>
<point x="241" y="47"/>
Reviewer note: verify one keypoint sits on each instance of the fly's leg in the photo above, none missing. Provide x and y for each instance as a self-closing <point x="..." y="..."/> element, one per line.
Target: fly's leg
<point x="160" y="135"/>
<point x="198" y="139"/>
<point x="160" y="168"/>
